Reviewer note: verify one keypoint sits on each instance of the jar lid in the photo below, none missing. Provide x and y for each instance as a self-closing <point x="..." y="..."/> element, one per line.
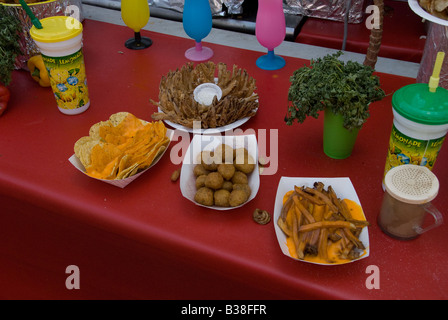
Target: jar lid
<point x="56" y="29"/>
<point x="416" y="103"/>
<point x="411" y="183"/>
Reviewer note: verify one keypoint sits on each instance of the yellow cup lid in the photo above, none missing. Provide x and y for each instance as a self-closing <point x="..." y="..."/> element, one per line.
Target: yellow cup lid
<point x="56" y="29"/>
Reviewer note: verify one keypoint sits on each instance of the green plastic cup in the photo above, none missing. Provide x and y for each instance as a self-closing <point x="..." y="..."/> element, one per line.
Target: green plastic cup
<point x="338" y="141"/>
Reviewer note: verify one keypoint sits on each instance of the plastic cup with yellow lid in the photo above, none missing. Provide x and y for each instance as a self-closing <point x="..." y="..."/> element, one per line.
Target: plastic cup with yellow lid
<point x="60" y="43"/>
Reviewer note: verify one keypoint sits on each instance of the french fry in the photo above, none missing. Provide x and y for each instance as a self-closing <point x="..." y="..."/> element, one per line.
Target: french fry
<point x="334" y="199"/>
<point x="282" y="224"/>
<point x="308" y="196"/>
<point x="302" y="208"/>
<point x="344" y="210"/>
<point x="302" y="246"/>
<point x="359" y="223"/>
<point x="287" y="205"/>
<point x="298" y="214"/>
<point x="295" y="232"/>
<point x="318" y="212"/>
<point x="322" y="197"/>
<point x="328" y="213"/>
<point x="353" y="239"/>
<point x="316" y="219"/>
<point x="345" y="252"/>
<point x="326" y="224"/>
<point x="314" y="237"/>
<point x="319" y="185"/>
<point x="332" y="195"/>
<point x="323" y="243"/>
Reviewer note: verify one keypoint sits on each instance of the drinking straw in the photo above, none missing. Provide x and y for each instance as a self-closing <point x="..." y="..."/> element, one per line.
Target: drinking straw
<point x="434" y="80"/>
<point x="30" y="14"/>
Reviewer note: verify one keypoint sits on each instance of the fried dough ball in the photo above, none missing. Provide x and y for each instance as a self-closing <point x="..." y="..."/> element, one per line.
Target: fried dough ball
<point x="214" y="180"/>
<point x="210" y="167"/>
<point x="239" y="177"/>
<point x="240" y="154"/>
<point x="247" y="165"/>
<point x="227" y="185"/>
<point x="200" y="181"/>
<point x="244" y="187"/>
<point x="224" y="152"/>
<point x="222" y="176"/>
<point x="199" y="170"/>
<point x="227" y="170"/>
<point x="204" y="196"/>
<point x="208" y="161"/>
<point x="221" y="198"/>
<point x="237" y="197"/>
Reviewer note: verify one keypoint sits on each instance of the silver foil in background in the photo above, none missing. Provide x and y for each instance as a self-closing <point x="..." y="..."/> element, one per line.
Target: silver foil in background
<point x="436" y="40"/>
<point x="233" y="6"/>
<point x="176" y="5"/>
<point x="41" y="10"/>
<point x="326" y="9"/>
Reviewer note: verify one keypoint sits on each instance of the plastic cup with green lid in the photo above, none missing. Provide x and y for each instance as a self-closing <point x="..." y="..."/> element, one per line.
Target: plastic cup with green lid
<point x="420" y="123"/>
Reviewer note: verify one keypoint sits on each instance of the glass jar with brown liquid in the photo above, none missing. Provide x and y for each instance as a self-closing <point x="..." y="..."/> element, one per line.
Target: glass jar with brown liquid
<point x="407" y="200"/>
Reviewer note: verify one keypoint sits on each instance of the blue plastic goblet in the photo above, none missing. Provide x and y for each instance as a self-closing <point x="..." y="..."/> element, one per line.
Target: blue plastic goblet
<point x="197" y="22"/>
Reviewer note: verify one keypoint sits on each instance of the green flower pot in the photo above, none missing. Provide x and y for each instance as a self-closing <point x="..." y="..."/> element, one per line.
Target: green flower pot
<point x="338" y="141"/>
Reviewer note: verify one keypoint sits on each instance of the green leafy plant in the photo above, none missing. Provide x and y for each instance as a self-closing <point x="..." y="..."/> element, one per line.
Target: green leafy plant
<point x="9" y="44"/>
<point x="347" y="88"/>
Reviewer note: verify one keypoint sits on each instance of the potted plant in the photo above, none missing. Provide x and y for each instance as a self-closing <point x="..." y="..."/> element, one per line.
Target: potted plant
<point x="343" y="91"/>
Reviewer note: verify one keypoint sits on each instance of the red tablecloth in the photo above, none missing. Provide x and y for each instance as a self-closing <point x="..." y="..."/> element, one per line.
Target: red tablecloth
<point x="146" y="240"/>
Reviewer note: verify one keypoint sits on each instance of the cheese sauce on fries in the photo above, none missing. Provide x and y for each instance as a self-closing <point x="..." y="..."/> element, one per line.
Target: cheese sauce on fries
<point x="325" y="227"/>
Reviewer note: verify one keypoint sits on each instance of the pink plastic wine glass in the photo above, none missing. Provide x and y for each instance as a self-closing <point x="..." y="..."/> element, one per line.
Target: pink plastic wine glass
<point x="270" y="30"/>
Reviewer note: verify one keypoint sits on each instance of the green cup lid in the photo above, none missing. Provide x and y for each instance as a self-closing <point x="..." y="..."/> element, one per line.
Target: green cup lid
<point x="416" y="103"/>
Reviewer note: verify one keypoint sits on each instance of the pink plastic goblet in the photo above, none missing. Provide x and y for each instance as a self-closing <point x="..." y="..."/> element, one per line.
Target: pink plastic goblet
<point x="270" y="30"/>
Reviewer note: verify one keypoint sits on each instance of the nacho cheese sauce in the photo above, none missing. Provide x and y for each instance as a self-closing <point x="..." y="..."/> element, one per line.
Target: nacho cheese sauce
<point x="130" y="145"/>
<point x="333" y="247"/>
